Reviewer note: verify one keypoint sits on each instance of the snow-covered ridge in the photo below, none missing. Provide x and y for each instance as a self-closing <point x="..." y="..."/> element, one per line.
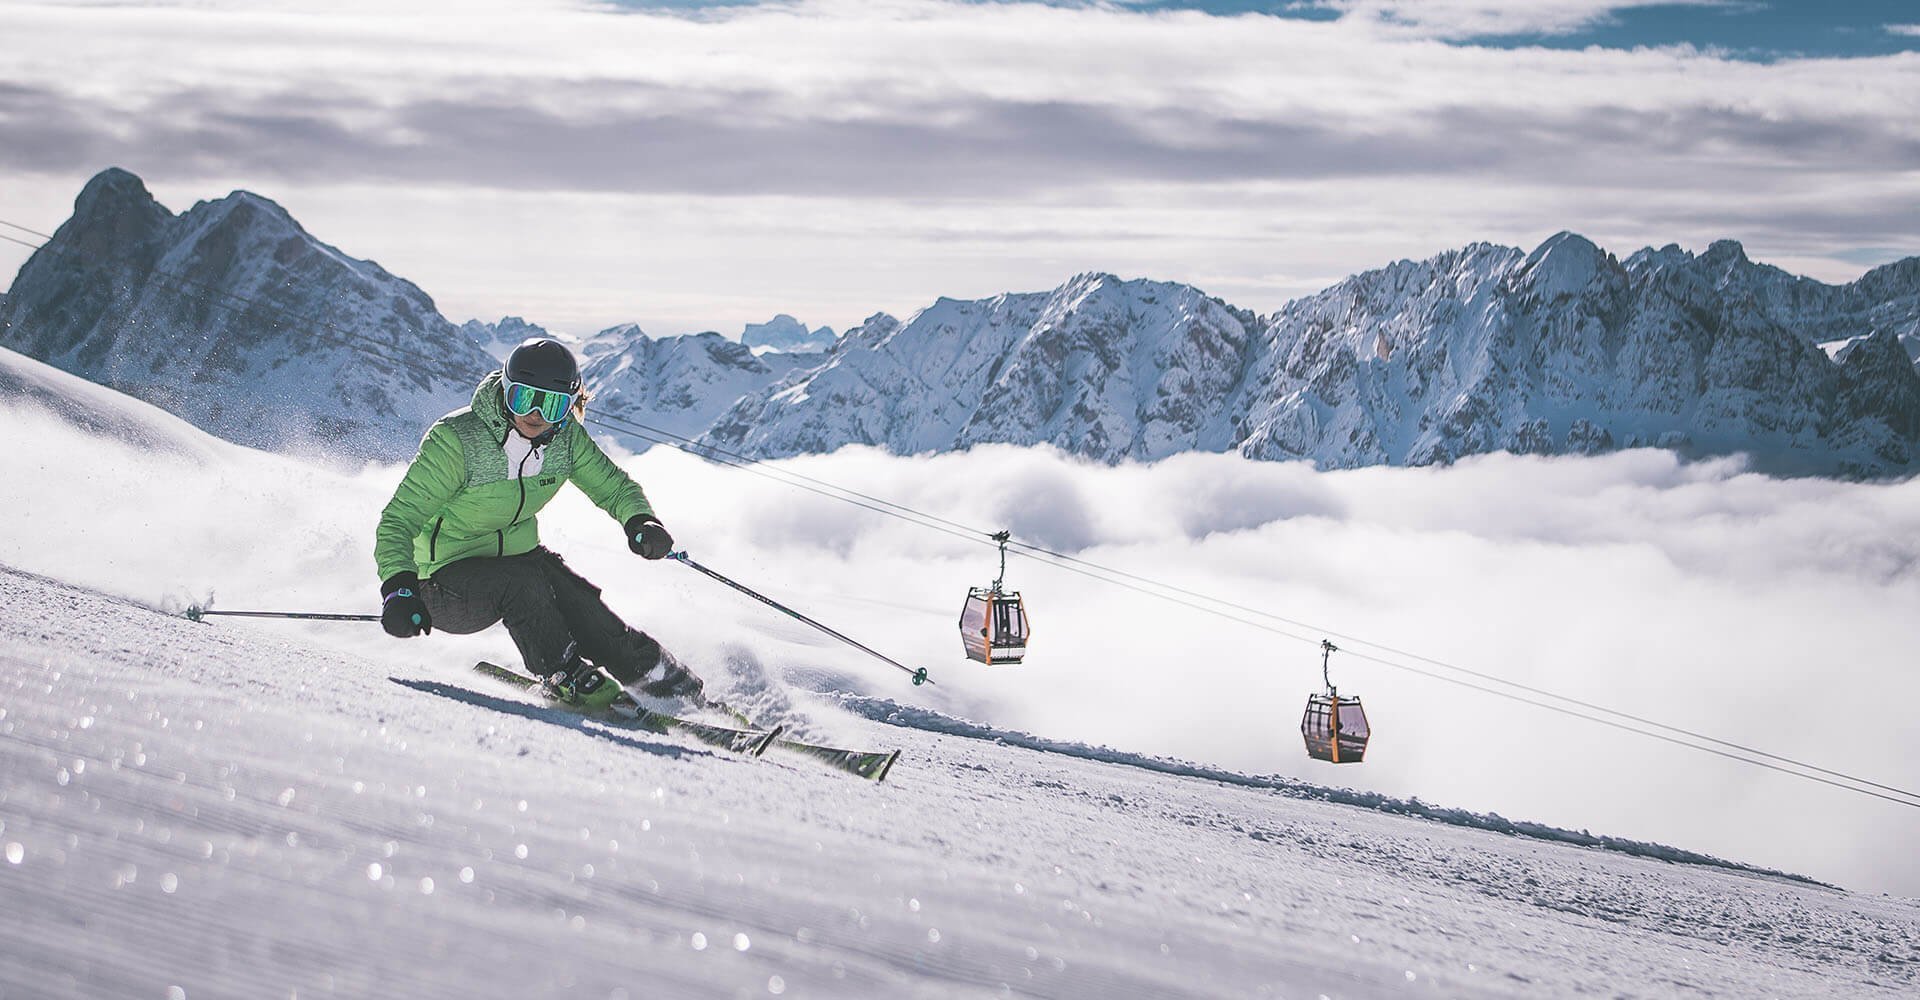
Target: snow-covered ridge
<point x="1561" y="350"/>
<point x="674" y="388"/>
<point x="233" y="316"/>
<point x="187" y="805"/>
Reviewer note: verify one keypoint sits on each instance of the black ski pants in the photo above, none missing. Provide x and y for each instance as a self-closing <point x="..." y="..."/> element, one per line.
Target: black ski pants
<point x="546" y="608"/>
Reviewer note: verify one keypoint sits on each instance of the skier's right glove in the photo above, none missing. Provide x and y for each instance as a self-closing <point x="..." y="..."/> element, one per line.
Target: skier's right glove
<point x="402" y="613"/>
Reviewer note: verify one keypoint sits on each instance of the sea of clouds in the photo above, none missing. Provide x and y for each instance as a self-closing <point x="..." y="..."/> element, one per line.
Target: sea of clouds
<point x="1773" y="613"/>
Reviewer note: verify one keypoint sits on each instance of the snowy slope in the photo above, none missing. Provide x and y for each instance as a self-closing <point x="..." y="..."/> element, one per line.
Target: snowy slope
<point x="232" y="812"/>
<point x="234" y="316"/>
<point x="262" y="809"/>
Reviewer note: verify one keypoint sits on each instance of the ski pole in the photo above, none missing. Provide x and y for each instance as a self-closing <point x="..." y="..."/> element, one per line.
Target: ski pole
<point x="197" y="614"/>
<point x="919" y="676"/>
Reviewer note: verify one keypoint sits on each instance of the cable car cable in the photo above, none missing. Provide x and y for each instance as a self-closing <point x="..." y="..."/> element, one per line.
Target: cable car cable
<point x="1065" y="558"/>
<point x="1661" y="736"/>
<point x="659" y="436"/>
<point x="24" y="229"/>
<point x="753" y="465"/>
<point x="1093" y="570"/>
<point x="1475" y="673"/>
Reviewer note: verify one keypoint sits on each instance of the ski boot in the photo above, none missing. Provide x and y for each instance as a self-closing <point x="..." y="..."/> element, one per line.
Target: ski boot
<point x="579" y="684"/>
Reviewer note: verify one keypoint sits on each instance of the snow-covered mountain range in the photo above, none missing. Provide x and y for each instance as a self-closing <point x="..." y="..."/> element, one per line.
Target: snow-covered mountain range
<point x="676" y="386"/>
<point x="646" y="389"/>
<point x="1564" y="349"/>
<point x="500" y="338"/>
<point x="234" y="316"/>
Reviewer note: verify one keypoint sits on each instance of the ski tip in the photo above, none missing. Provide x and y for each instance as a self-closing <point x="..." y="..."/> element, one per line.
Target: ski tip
<point x="881" y="774"/>
<point x="767" y="740"/>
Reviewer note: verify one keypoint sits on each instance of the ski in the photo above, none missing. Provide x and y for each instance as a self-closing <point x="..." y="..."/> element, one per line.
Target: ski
<point x="872" y="765"/>
<point x="751" y="742"/>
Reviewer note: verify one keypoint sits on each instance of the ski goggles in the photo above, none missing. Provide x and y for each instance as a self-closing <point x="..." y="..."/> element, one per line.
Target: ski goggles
<point x="523" y="399"/>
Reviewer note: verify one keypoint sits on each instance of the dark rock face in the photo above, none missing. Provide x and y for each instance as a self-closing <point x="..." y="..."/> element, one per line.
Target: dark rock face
<point x="235" y="318"/>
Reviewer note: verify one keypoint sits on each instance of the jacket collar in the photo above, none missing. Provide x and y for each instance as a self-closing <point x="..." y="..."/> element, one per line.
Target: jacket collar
<point x="489" y="404"/>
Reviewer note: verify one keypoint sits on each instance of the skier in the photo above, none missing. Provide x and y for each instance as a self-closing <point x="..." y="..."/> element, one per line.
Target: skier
<point x="458" y="546"/>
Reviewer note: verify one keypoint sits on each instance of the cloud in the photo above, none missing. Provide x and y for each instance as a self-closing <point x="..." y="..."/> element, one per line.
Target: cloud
<point x="956" y="150"/>
<point x="1735" y="605"/>
<point x="1467" y="19"/>
<point x="1908" y="30"/>
<point x="972" y="99"/>
<point x="818" y="157"/>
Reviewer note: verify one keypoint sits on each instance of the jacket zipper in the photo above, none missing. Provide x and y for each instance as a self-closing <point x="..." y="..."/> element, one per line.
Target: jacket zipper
<point x="433" y="541"/>
<point x="521" y="476"/>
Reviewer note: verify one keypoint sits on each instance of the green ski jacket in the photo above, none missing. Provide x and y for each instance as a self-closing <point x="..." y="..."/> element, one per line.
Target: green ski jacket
<point x="475" y="486"/>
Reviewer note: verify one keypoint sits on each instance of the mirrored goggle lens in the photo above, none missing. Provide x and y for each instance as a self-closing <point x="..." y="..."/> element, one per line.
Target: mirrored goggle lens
<point x="524" y="399"/>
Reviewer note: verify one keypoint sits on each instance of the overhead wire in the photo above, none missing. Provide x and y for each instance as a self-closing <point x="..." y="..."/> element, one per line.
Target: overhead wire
<point x="1093" y="570"/>
<point x="1114" y="577"/>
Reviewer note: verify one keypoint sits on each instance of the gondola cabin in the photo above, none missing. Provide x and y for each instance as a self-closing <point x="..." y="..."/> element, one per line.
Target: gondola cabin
<point x="993" y="622"/>
<point x="993" y="626"/>
<point x="1335" y="728"/>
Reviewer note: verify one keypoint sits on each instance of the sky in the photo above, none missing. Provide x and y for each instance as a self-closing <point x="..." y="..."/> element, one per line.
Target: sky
<point x="1772" y="613"/>
<point x="703" y="166"/>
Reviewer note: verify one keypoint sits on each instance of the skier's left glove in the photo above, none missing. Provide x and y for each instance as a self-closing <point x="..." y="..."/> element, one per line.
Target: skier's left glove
<point x="402" y="613"/>
<point x="647" y="538"/>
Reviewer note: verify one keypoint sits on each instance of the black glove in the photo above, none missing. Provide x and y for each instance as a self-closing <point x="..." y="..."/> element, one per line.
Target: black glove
<point x="402" y="613"/>
<point x="646" y="537"/>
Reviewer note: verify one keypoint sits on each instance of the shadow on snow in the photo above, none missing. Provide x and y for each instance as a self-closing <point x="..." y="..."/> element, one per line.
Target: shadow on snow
<point x="601" y="728"/>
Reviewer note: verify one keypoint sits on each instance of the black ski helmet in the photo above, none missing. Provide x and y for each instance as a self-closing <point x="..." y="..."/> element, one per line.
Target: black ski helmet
<point x="543" y="364"/>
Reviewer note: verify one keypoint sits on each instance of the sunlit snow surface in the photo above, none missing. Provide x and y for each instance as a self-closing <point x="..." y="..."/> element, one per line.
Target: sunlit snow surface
<point x="263" y="809"/>
<point x="214" y="809"/>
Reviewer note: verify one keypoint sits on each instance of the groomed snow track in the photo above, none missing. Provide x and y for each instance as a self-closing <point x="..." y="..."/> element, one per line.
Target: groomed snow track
<point x="224" y="811"/>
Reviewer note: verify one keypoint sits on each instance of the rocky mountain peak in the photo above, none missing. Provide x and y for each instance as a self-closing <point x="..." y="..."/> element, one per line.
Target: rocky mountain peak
<point x="114" y="213"/>
<point x="1725" y="253"/>
<point x="111" y="192"/>
<point x="785" y="333"/>
<point x="234" y="316"/>
<point x="1565" y="264"/>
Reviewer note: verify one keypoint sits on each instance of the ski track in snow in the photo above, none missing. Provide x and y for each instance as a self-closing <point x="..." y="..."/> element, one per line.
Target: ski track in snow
<point x="216" y="809"/>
